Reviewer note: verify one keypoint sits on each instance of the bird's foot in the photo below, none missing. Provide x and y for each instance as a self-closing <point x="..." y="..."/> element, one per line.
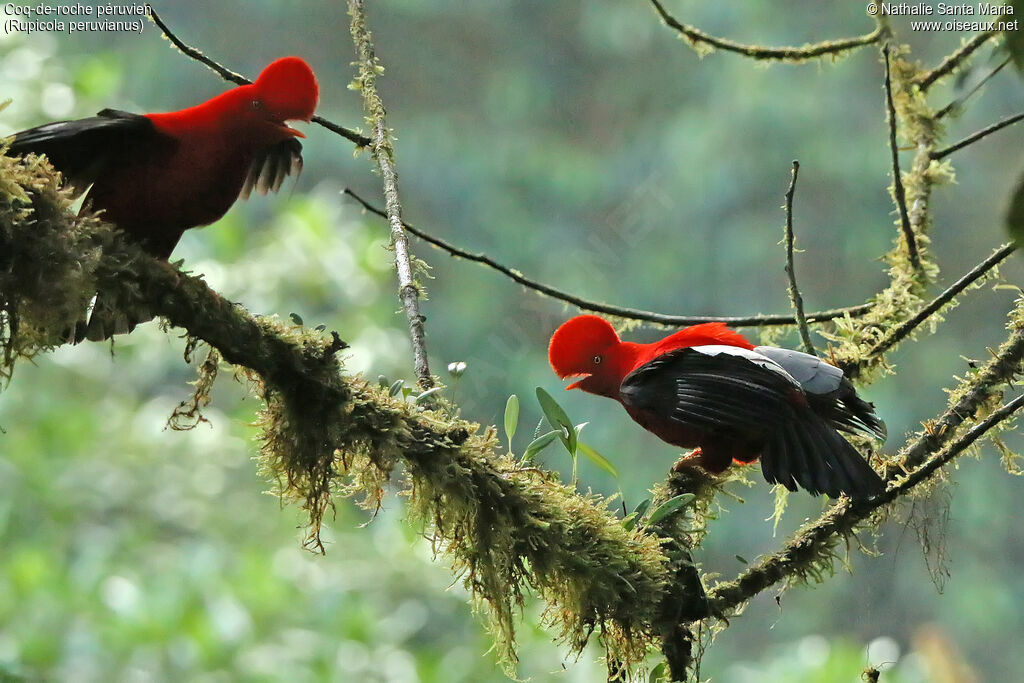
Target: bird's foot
<point x="690" y="474"/>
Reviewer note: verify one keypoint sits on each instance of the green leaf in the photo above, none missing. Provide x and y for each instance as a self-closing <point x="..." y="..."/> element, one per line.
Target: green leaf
<point x="382" y="380"/>
<point x="428" y="392"/>
<point x="658" y="673"/>
<point x="742" y="559"/>
<point x="629" y="521"/>
<point x="320" y="328"/>
<point x="598" y="459"/>
<point x="539" y="444"/>
<point x="396" y="387"/>
<point x="296" y="318"/>
<point x="558" y="420"/>
<point x="511" y="418"/>
<point x="641" y="507"/>
<point x="1015" y="214"/>
<point x="670" y="506"/>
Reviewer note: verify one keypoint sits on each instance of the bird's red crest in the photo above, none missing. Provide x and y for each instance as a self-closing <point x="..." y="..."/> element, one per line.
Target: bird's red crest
<point x="577" y="341"/>
<point x="288" y="89"/>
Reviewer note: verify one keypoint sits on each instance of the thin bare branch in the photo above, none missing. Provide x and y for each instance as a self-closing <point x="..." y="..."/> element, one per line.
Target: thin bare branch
<point x="898" y="192"/>
<point x="608" y="309"/>
<point x="971" y="139"/>
<point x="898" y="334"/>
<point x="959" y="102"/>
<point x="238" y="79"/>
<point x="383" y="153"/>
<point x="951" y="62"/>
<point x="794" y="292"/>
<point x="790" y="54"/>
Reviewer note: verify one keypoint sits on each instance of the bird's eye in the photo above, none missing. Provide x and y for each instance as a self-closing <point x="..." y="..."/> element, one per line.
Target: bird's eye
<point x="256" y="104"/>
<point x="597" y="360"/>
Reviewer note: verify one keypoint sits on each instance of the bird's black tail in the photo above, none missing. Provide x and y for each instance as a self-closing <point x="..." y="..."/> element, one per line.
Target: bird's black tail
<point x="809" y="453"/>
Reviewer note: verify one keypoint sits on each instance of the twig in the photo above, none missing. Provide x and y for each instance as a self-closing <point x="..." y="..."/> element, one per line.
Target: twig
<point x="238" y="79"/>
<point x="977" y="86"/>
<point x="383" y="153"/>
<point x="898" y="191"/>
<point x="900" y="333"/>
<point x="793" y="54"/>
<point x="608" y="309"/>
<point x="794" y="292"/>
<point x="984" y="132"/>
<point x="840" y="519"/>
<point x="952" y="61"/>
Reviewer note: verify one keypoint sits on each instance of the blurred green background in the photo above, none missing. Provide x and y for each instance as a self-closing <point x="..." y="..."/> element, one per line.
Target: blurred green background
<point x="582" y="143"/>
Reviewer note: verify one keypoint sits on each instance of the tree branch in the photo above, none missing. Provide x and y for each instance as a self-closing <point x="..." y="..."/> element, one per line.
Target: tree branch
<point x="958" y="102"/>
<point x="954" y="60"/>
<point x="815" y="541"/>
<point x="794" y="292"/>
<point x="608" y="309"/>
<point x="383" y="152"/>
<point x="238" y="79"/>
<point x="899" y="193"/>
<point x="898" y="334"/>
<point x="971" y="139"/>
<point x="791" y="54"/>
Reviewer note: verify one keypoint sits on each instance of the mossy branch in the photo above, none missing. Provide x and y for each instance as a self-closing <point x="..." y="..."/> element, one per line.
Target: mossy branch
<point x="506" y="528"/>
<point x="952" y="61"/>
<point x="698" y="38"/>
<point x="802" y="556"/>
<point x="382" y="147"/>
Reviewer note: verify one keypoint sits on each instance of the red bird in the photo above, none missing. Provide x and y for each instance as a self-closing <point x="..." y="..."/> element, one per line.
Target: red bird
<point x="707" y="387"/>
<point x="155" y="176"/>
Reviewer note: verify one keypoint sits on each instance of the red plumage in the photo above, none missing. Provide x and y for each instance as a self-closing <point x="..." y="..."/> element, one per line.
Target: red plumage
<point x="156" y="175"/>
<point x="707" y="387"/>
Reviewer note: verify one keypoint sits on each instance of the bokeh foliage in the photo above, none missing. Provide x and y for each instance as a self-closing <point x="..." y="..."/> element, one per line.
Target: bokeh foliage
<point x="577" y="134"/>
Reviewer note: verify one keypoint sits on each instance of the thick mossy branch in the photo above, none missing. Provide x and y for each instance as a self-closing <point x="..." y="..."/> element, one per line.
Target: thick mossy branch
<point x="506" y="528"/>
<point x="811" y="552"/>
<point x="47" y="263"/>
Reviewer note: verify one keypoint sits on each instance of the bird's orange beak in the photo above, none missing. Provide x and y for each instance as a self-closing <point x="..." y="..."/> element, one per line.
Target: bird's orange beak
<point x="292" y="131"/>
<point x="576" y="385"/>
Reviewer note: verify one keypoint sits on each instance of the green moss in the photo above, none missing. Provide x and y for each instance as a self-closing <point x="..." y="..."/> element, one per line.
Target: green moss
<point x="48" y="258"/>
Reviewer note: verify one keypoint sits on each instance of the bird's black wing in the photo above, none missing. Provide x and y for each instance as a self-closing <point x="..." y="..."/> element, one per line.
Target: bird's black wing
<point x="272" y="166"/>
<point x="734" y="394"/>
<point x="714" y="389"/>
<point x="84" y="149"/>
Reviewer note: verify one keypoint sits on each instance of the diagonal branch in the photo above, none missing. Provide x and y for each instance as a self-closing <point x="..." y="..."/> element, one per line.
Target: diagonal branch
<point x="899" y="193"/>
<point x="815" y="540"/>
<point x="238" y="79"/>
<point x="898" y="334"/>
<point x="383" y="152"/>
<point x="790" y="54"/>
<point x="971" y="139"/>
<point x="959" y="102"/>
<point x="954" y="60"/>
<point x="794" y="292"/>
<point x="608" y="309"/>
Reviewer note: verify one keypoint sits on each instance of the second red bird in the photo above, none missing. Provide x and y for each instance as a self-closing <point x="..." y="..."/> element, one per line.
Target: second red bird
<point x="707" y="387"/>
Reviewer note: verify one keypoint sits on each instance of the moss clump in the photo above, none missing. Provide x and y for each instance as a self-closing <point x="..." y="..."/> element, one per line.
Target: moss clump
<point x="48" y="259"/>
